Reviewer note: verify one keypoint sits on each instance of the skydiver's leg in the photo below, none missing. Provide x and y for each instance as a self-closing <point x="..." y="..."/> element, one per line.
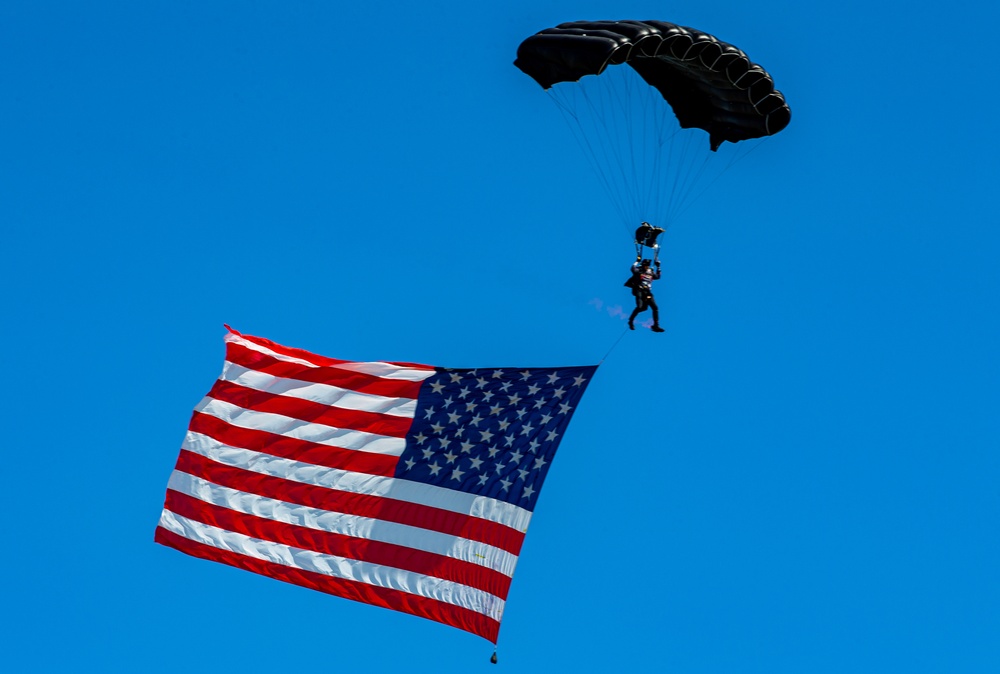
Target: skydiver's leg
<point x="656" y="314"/>
<point x="640" y="306"/>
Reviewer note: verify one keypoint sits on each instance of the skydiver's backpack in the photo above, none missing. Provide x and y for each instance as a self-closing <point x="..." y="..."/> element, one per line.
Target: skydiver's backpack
<point x="632" y="282"/>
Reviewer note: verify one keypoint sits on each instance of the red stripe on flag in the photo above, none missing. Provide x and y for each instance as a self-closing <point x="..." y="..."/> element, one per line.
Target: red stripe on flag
<point x="432" y="609"/>
<point x="305" y="410"/>
<point x="340" y="545"/>
<point x="293" y="448"/>
<point x="312" y="357"/>
<point x="355" y="381"/>
<point x="362" y="505"/>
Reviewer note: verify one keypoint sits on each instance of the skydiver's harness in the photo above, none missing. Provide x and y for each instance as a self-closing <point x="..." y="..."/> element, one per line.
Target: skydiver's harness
<point x="640" y="281"/>
<point x="643" y="279"/>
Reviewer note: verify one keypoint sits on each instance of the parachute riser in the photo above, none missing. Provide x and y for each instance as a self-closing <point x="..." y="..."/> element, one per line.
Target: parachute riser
<point x="639" y="254"/>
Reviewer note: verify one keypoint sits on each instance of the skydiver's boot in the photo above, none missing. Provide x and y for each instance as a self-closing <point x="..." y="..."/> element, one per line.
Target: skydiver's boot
<point x="656" y="320"/>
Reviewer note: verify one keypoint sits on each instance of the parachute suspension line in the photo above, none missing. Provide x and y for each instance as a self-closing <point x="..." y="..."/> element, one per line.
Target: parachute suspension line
<point x="599" y="100"/>
<point x="666" y="160"/>
<point x="625" y="155"/>
<point x="746" y="148"/>
<point x="639" y="150"/>
<point x="682" y="146"/>
<point x="655" y="192"/>
<point x="743" y="149"/>
<point x="642" y="112"/>
<point x="634" y="144"/>
<point x="612" y="108"/>
<point x="602" y="113"/>
<point x="662" y="156"/>
<point x="651" y="169"/>
<point x="664" y="164"/>
<point x="590" y="151"/>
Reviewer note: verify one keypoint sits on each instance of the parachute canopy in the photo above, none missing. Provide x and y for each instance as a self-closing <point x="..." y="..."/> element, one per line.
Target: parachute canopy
<point x="710" y="84"/>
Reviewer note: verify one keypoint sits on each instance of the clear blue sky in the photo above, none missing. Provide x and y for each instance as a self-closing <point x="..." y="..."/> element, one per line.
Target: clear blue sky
<point x="800" y="475"/>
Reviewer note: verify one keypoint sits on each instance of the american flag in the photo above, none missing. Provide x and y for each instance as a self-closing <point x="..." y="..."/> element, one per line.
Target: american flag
<point x="400" y="485"/>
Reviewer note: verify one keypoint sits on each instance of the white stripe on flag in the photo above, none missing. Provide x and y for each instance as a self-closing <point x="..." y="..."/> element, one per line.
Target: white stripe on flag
<point x="367" y="528"/>
<point x="387" y="371"/>
<point x="482" y="507"/>
<point x="325" y="394"/>
<point x="279" y="424"/>
<point x="378" y="369"/>
<point x="378" y="575"/>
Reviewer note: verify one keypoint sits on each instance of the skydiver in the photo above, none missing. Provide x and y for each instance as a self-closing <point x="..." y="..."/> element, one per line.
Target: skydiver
<point x="641" y="283"/>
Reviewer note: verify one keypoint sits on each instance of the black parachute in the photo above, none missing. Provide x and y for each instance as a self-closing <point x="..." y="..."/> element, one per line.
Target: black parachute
<point x="640" y="127"/>
<point x="710" y="84"/>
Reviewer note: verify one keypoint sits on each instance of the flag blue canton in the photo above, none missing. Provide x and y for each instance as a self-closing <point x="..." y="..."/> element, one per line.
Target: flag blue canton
<point x="491" y="432"/>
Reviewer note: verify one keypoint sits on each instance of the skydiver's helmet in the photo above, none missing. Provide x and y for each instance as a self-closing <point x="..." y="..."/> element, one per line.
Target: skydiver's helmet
<point x="644" y="263"/>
